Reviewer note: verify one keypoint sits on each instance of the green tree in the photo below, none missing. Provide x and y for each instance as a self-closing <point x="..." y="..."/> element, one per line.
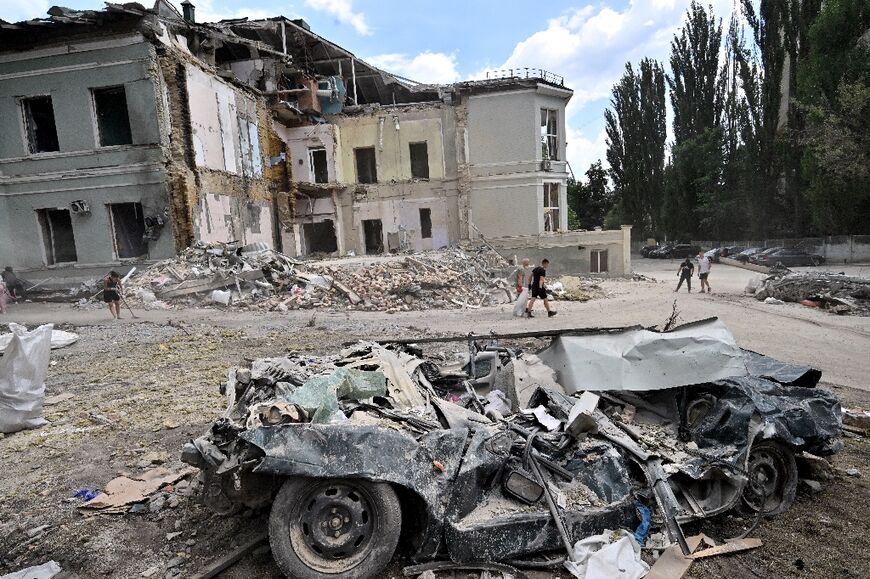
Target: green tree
<point x="590" y="201"/>
<point x="834" y="88"/>
<point x="636" y="134"/>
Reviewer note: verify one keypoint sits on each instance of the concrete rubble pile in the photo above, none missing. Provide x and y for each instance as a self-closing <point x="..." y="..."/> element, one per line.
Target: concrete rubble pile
<point x="836" y="292"/>
<point x="256" y="278"/>
<point x="505" y="455"/>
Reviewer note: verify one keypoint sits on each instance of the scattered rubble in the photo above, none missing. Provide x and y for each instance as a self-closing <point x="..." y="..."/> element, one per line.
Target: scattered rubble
<point x="835" y="292"/>
<point x="262" y="279"/>
<point x="124" y="491"/>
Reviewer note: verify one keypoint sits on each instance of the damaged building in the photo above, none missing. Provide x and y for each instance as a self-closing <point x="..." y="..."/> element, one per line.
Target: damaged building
<point x="131" y="133"/>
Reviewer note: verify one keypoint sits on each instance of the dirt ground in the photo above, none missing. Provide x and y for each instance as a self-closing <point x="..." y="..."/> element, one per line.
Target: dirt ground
<point x="133" y="381"/>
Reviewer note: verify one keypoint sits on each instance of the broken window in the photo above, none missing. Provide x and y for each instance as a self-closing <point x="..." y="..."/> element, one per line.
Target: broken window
<point x="419" y="160"/>
<point x="128" y="228"/>
<point x="551" y="207"/>
<point x="113" y="122"/>
<point x="57" y="235"/>
<point x="320" y="237"/>
<point x="373" y="232"/>
<point x="598" y="261"/>
<point x="39" y="124"/>
<point x="317" y="165"/>
<point x="426" y="223"/>
<point x="366" y="168"/>
<point x="550" y="134"/>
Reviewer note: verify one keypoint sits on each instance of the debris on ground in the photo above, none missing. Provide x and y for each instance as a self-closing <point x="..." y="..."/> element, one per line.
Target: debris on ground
<point x="22" y="378"/>
<point x="313" y="433"/>
<point x="223" y="274"/>
<point x="59" y="339"/>
<point x="857" y="419"/>
<point x="610" y="554"/>
<point x="835" y="292"/>
<point x="123" y="491"/>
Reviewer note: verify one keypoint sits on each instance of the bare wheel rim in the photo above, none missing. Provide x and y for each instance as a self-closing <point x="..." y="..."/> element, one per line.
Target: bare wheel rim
<point x="768" y="475"/>
<point x="332" y="525"/>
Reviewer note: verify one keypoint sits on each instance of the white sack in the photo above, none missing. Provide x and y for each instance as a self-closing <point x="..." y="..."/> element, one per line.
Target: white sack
<point x="59" y="339"/>
<point x="22" y="378"/>
<point x="44" y="571"/>
<point x="596" y="557"/>
<point x="221" y="297"/>
<point x="520" y="306"/>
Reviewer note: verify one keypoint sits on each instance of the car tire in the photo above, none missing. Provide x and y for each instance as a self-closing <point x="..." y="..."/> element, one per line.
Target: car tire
<point x="772" y="477"/>
<point x="334" y="528"/>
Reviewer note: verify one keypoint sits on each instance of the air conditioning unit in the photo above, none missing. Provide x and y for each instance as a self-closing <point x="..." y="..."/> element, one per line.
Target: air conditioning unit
<point x="80" y="207"/>
<point x="546" y="165"/>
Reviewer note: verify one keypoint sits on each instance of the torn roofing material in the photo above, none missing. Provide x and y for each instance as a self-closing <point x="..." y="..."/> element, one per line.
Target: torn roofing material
<point x="635" y="359"/>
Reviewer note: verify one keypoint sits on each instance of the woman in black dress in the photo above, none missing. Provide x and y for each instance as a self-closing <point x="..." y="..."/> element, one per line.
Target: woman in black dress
<point x="112" y="293"/>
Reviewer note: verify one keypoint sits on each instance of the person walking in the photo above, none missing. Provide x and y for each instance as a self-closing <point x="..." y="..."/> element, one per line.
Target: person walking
<point x="523" y="278"/>
<point x="704" y="271"/>
<point x="537" y="289"/>
<point x="685" y="271"/>
<point x="112" y="293"/>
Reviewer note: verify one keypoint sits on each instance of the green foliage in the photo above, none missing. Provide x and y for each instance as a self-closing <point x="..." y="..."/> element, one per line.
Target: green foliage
<point x="589" y="202"/>
<point x="615" y="218"/>
<point x="636" y="134"/>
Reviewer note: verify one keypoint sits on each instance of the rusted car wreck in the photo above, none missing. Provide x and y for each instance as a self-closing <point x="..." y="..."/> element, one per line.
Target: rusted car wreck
<point x="508" y="457"/>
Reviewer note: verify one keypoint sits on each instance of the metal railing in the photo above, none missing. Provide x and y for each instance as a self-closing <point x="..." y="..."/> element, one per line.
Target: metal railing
<point x="526" y="72"/>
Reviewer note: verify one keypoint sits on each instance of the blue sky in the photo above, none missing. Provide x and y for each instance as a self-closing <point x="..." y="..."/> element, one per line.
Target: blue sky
<point x="586" y="42"/>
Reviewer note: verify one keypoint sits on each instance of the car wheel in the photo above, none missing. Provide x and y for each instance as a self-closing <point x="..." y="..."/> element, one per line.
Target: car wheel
<point x="334" y="528"/>
<point x="772" y="478"/>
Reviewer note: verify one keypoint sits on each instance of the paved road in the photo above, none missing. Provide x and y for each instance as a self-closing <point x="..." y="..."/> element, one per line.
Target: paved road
<point x="839" y="345"/>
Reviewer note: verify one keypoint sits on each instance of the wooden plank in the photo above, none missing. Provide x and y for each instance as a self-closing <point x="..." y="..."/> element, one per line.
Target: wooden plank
<point x="232" y="558"/>
<point x="732" y="547"/>
<point x="672" y="564"/>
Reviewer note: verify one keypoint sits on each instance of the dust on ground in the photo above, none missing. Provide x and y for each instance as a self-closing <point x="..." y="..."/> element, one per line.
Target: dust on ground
<point x="133" y="381"/>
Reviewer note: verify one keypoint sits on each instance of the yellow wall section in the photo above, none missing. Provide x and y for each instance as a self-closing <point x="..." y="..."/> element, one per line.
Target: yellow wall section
<point x="394" y="160"/>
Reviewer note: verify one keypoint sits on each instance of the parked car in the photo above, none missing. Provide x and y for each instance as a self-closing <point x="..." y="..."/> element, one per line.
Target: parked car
<point x="744" y="255"/>
<point x="753" y="258"/>
<point x="789" y="257"/>
<point x="645" y="251"/>
<point x="727" y="251"/>
<point x="359" y="450"/>
<point x="662" y="251"/>
<point x="682" y="250"/>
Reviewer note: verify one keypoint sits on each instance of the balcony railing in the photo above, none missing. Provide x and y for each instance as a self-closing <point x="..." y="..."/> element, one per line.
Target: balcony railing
<point x="526" y="72"/>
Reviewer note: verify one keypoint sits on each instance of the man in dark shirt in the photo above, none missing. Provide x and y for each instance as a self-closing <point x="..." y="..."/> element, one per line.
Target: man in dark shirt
<point x="685" y="271"/>
<point x="538" y="290"/>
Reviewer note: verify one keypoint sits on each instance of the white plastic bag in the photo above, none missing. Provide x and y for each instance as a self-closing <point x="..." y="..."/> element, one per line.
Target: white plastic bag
<point x="44" y="571"/>
<point x="22" y="378"/>
<point x="221" y="297"/>
<point x="520" y="306"/>
<point x="610" y="555"/>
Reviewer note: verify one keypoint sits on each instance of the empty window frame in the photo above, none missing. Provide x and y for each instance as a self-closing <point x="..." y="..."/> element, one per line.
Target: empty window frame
<point x="113" y="121"/>
<point x="57" y="235"/>
<point x="128" y="230"/>
<point x="551" y="207"/>
<point x="373" y="234"/>
<point x="425" y="223"/>
<point x="320" y="237"/>
<point x="39" y="124"/>
<point x="550" y="134"/>
<point x="419" y="160"/>
<point x="317" y="165"/>
<point x="249" y="146"/>
<point x="598" y="261"/>
<point x="366" y="167"/>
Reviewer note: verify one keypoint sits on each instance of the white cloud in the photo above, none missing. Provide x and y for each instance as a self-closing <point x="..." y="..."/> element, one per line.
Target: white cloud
<point x="18" y="10"/>
<point x="583" y="151"/>
<point x="590" y="45"/>
<point x="207" y="11"/>
<point x="426" y="67"/>
<point x="342" y="10"/>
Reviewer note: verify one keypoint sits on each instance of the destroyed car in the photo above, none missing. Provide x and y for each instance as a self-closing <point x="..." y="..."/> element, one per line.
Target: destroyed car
<point x="507" y="455"/>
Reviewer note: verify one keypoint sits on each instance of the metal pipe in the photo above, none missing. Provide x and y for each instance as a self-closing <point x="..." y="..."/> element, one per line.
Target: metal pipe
<point x="353" y="74"/>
